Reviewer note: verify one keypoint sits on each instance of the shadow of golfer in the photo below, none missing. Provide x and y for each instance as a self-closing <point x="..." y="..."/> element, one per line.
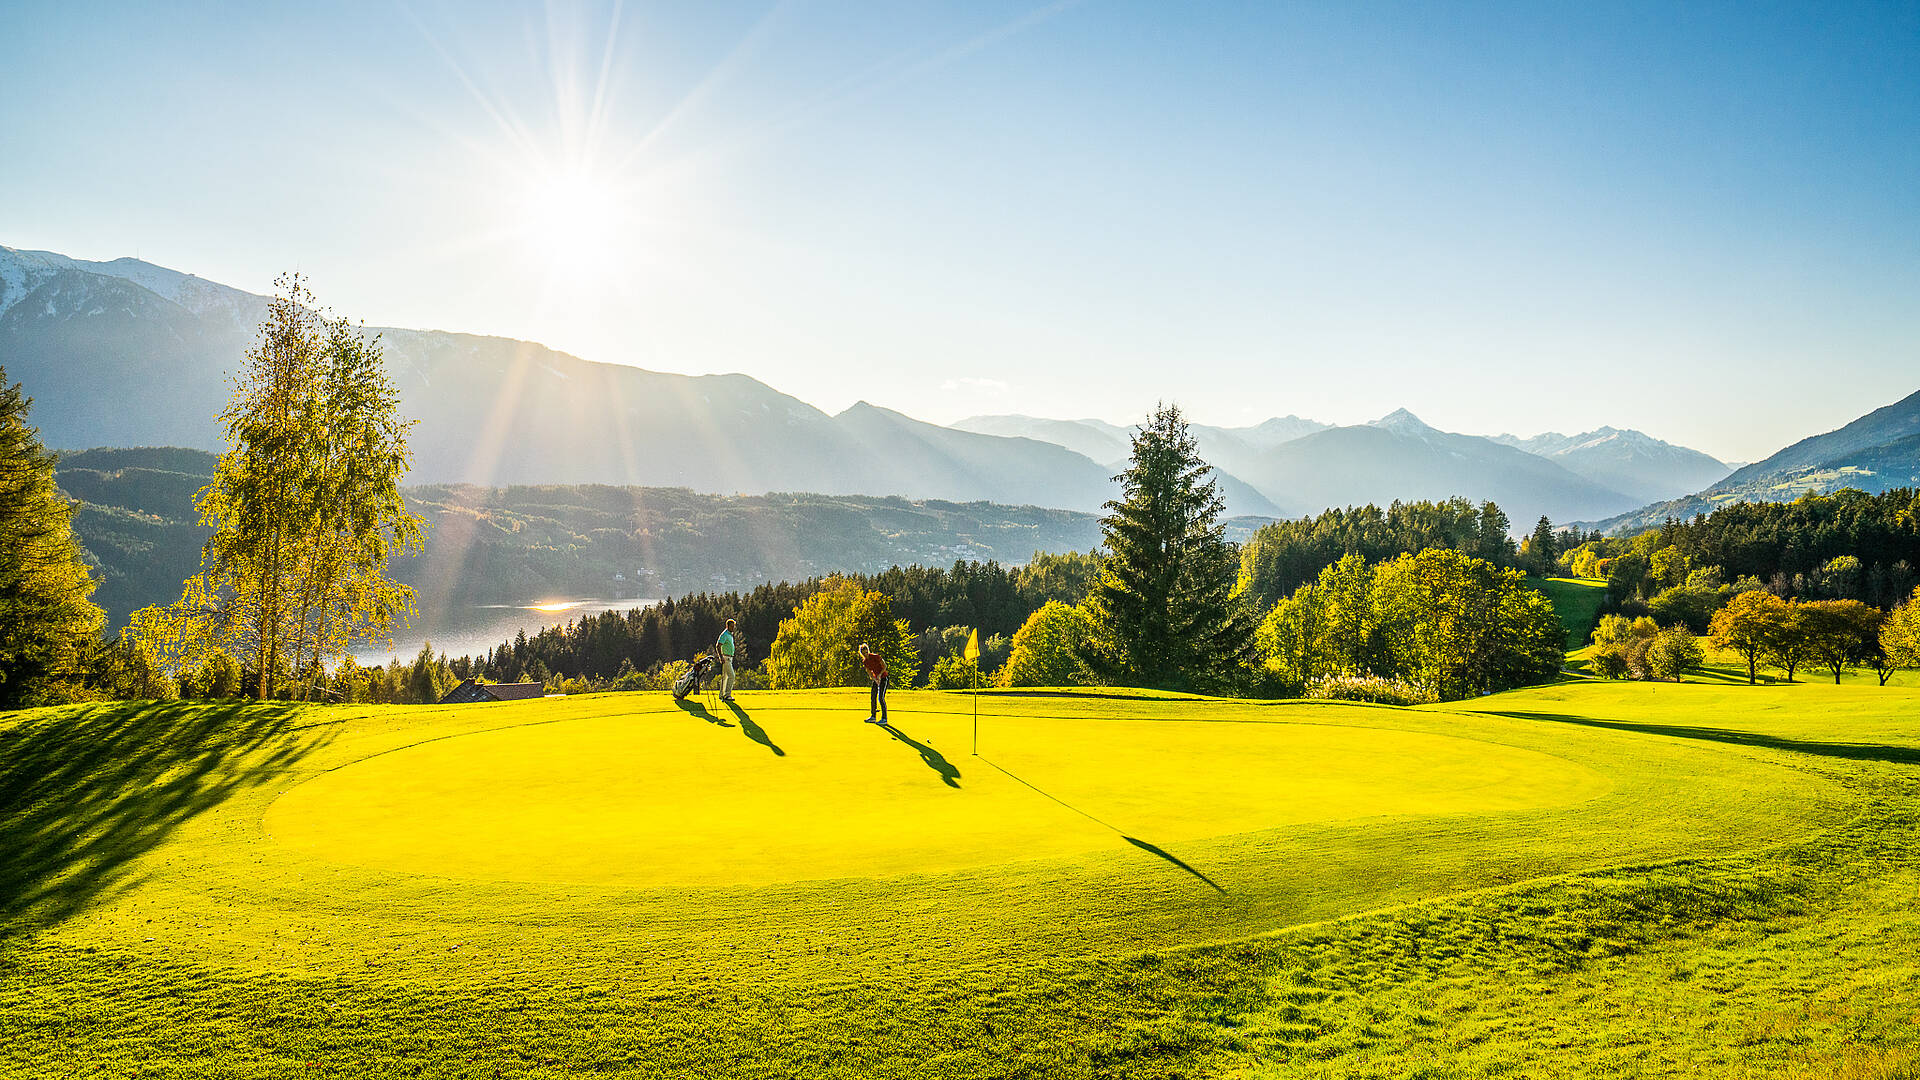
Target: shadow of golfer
<point x="693" y="707"/>
<point x="948" y="774"/>
<point x="754" y="731"/>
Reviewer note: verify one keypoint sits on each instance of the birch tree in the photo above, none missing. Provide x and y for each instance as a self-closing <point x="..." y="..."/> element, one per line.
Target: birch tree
<point x="305" y="508"/>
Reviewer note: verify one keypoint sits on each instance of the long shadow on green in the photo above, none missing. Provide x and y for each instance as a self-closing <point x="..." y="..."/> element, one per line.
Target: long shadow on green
<point x="84" y="794"/>
<point x="1162" y="853"/>
<point x="754" y="731"/>
<point x="1155" y="850"/>
<point x="933" y="758"/>
<point x="696" y="709"/>
<point x="1905" y="755"/>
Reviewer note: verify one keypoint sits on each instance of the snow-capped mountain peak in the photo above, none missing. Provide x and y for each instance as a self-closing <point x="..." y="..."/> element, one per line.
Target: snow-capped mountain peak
<point x="1403" y="422"/>
<point x="22" y="271"/>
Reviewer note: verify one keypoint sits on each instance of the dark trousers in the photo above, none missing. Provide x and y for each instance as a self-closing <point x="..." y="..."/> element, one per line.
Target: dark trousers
<point x="877" y="700"/>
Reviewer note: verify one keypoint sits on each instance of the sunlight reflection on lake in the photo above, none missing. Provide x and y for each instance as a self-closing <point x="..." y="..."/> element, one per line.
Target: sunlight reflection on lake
<point x="473" y="630"/>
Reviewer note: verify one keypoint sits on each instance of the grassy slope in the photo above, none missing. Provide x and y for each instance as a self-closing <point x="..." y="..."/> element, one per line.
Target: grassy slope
<point x="1577" y="601"/>
<point x="182" y="940"/>
<point x="1794" y="961"/>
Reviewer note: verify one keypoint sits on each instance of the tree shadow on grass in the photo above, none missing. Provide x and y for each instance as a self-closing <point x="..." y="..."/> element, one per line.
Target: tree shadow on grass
<point x="754" y="731"/>
<point x="1904" y="755"/>
<point x="1735" y="676"/>
<point x="86" y="793"/>
<point x="934" y="760"/>
<point x="694" y="708"/>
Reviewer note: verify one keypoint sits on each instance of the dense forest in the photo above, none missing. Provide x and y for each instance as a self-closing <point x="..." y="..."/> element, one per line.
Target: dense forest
<point x="995" y="599"/>
<point x="134" y="517"/>
<point x="1849" y="545"/>
<point x="1280" y="557"/>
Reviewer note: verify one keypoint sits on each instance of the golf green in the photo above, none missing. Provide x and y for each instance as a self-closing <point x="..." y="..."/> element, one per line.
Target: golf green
<point x="1120" y="884"/>
<point x="657" y="798"/>
<point x="628" y="835"/>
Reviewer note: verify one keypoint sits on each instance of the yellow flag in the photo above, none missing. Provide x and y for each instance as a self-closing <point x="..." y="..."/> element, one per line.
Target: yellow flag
<point x="972" y="651"/>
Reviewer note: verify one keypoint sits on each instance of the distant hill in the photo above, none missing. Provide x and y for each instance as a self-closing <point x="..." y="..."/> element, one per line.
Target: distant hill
<point x="1112" y="445"/>
<point x="1399" y="457"/>
<point x="1097" y="439"/>
<point x="1878" y="452"/>
<point x="1268" y="434"/>
<point x="1304" y="466"/>
<point x="136" y="522"/>
<point x="124" y="352"/>
<point x="520" y="545"/>
<point x="1630" y="462"/>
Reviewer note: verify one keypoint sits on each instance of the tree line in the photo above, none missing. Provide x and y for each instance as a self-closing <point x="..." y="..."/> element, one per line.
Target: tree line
<point x="1849" y="545"/>
<point x="946" y="603"/>
<point x="1433" y="625"/>
<point x="1279" y="558"/>
<point x="1824" y="581"/>
<point x="1764" y="629"/>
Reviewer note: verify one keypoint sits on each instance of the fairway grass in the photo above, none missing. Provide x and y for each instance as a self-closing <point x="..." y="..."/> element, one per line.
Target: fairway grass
<point x="1118" y="885"/>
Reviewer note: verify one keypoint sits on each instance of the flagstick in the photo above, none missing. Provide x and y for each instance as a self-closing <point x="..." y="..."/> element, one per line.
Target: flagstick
<point x="976" y="708"/>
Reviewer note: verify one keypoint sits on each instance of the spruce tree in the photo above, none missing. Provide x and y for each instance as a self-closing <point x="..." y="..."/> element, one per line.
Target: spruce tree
<point x="1163" y="610"/>
<point x="46" y="621"/>
<point x="1540" y="548"/>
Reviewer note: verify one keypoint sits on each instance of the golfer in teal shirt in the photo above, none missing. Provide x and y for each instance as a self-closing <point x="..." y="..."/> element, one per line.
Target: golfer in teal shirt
<point x="725" y="648"/>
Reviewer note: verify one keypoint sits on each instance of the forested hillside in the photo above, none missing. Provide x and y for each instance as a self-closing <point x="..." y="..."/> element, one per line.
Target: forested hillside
<point x="521" y="545"/>
<point x="1878" y="452"/>
<point x="1849" y="545"/>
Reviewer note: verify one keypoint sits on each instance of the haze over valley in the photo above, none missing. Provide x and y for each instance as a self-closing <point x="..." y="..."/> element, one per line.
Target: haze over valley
<point x="130" y="354"/>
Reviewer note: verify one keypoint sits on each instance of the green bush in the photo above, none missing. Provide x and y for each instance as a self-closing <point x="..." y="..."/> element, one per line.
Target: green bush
<point x="1609" y="662"/>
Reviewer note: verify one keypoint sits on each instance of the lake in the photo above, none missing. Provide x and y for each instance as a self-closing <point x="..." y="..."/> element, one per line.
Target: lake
<point x="472" y="631"/>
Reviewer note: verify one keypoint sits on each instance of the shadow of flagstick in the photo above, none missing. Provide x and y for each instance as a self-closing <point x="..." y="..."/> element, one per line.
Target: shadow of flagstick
<point x="1152" y="849"/>
<point x="1160" y="852"/>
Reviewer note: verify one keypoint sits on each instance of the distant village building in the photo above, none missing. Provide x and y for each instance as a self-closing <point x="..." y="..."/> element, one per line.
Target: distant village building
<point x="469" y="692"/>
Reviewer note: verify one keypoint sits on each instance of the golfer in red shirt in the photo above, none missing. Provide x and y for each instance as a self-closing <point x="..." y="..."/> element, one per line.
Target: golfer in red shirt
<point x="877" y="672"/>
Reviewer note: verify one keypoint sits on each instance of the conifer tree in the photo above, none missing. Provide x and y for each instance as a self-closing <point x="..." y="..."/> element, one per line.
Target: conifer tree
<point x="46" y="621"/>
<point x="1540" y="548"/>
<point x="1163" y="610"/>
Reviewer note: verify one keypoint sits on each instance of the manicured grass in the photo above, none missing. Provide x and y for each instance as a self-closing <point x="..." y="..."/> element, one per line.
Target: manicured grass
<point x="629" y="793"/>
<point x="1577" y="601"/>
<point x="615" y="884"/>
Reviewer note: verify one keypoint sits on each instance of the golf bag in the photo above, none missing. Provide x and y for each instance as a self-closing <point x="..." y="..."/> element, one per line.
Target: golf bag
<point x="690" y="680"/>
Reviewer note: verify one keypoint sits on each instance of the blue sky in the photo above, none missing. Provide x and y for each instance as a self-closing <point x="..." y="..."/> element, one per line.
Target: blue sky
<point x="1696" y="219"/>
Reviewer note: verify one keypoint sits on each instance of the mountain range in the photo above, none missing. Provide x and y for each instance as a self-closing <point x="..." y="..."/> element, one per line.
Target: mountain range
<point x="1629" y="461"/>
<point x="1875" y="453"/>
<point x="129" y="354"/>
<point x="142" y="535"/>
<point x="1304" y="466"/>
<point x="126" y="353"/>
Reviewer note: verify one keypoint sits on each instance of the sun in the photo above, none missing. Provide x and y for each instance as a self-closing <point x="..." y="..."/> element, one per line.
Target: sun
<point x="573" y="220"/>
